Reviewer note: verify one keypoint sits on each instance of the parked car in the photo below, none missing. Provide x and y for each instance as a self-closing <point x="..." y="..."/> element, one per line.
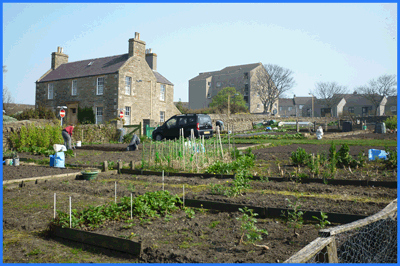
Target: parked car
<point x="200" y="123"/>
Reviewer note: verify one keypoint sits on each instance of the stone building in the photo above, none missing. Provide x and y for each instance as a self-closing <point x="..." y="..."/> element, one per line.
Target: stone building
<point x="293" y="106"/>
<point x="242" y="77"/>
<point x="128" y="82"/>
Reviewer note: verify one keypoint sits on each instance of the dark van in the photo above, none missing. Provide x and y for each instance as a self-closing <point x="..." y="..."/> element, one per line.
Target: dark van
<point x="200" y="123"/>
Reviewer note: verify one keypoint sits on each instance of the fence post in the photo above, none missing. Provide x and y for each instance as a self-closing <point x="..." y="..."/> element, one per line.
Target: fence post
<point x="315" y="126"/>
<point x="105" y="166"/>
<point x="329" y="253"/>
<point x="132" y="165"/>
<point x="297" y="126"/>
<point x="140" y="130"/>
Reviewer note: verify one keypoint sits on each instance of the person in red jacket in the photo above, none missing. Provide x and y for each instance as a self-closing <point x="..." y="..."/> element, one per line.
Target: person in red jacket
<point x="67" y="134"/>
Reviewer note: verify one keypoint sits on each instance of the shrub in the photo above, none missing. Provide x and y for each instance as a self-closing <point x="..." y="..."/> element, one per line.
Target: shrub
<point x="39" y="113"/>
<point x="300" y="157"/>
<point x="86" y="115"/>
<point x="391" y="122"/>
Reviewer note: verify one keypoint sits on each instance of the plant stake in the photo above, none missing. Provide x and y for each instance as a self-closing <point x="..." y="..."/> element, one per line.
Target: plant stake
<point x="163" y="180"/>
<point x="55" y="201"/>
<point x="131" y="206"/>
<point x="115" y="191"/>
<point x="183" y="196"/>
<point x="70" y="216"/>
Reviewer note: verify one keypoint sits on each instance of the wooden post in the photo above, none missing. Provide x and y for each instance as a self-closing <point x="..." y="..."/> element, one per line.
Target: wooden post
<point x="328" y="254"/>
<point x="105" y="166"/>
<point x="297" y="126"/>
<point x="315" y="126"/>
<point x="119" y="165"/>
<point x="132" y="165"/>
<point x="326" y="126"/>
<point x="140" y="130"/>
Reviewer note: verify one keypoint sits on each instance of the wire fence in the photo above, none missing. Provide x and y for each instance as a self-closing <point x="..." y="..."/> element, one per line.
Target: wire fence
<point x="370" y="240"/>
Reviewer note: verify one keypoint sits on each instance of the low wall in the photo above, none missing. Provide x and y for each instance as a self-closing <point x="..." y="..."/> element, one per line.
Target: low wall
<point x="243" y="122"/>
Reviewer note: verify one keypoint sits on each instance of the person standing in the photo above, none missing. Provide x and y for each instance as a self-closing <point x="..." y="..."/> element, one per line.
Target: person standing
<point x="67" y="135"/>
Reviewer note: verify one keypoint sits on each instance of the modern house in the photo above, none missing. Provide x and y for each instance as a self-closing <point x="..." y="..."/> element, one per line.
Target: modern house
<point x="293" y="106"/>
<point x="391" y="105"/>
<point x="128" y="82"/>
<point x="206" y="85"/>
<point x="354" y="104"/>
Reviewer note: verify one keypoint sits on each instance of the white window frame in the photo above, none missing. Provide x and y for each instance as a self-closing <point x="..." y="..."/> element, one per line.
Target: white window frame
<point x="100" y="86"/>
<point x="280" y="108"/>
<point x="209" y="95"/>
<point x="97" y="114"/>
<point x="74" y="87"/>
<point x="162" y="92"/>
<point x="128" y="85"/>
<point x="301" y="106"/>
<point x="393" y="108"/>
<point x="219" y="84"/>
<point x="162" y="116"/>
<point x="127" y="110"/>
<point x="289" y="108"/>
<point x="50" y="91"/>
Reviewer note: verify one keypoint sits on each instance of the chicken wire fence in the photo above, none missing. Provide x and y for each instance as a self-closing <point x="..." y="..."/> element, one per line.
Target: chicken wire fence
<point x="370" y="240"/>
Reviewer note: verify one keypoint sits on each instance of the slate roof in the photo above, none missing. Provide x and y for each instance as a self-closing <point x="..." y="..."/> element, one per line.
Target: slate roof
<point x="358" y="99"/>
<point x="302" y="100"/>
<point x="391" y="100"/>
<point x="286" y="102"/>
<point x="79" y="69"/>
<point x="161" y="79"/>
<point x="99" y="66"/>
<point x="226" y="70"/>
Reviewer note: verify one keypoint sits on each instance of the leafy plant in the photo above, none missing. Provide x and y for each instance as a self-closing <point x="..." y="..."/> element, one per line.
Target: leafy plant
<point x="213" y="224"/>
<point x="391" y="162"/>
<point x="391" y="122"/>
<point x="343" y="156"/>
<point x="189" y="212"/>
<point x="300" y="157"/>
<point x="248" y="226"/>
<point x="294" y="217"/>
<point x="323" y="221"/>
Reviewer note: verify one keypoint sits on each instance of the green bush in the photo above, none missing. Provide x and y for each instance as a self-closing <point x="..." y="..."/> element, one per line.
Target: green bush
<point x="36" y="138"/>
<point x="86" y="115"/>
<point x="300" y="157"/>
<point x="391" y="122"/>
<point x="40" y="113"/>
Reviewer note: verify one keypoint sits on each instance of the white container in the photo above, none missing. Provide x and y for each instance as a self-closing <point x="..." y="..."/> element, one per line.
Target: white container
<point x="59" y="147"/>
<point x="78" y="143"/>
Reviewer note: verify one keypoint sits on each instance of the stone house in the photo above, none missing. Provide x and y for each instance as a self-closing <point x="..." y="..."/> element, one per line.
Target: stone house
<point x="128" y="82"/>
<point x="206" y="85"/>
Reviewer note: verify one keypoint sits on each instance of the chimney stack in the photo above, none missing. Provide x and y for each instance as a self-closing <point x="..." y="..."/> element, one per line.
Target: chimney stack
<point x="136" y="46"/>
<point x="151" y="59"/>
<point x="58" y="58"/>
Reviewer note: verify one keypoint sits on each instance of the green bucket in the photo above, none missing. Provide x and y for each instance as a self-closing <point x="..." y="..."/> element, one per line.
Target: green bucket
<point x="89" y="175"/>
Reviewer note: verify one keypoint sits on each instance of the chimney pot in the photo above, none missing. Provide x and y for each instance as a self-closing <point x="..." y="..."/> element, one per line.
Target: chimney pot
<point x="61" y="50"/>
<point x="137" y="35"/>
<point x="58" y="49"/>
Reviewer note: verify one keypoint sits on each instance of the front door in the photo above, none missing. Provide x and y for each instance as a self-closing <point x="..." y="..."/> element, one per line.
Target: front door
<point x="72" y="113"/>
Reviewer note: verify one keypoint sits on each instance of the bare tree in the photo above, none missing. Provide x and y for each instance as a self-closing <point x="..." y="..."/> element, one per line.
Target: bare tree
<point x="375" y="90"/>
<point x="271" y="82"/>
<point x="7" y="97"/>
<point x="329" y="93"/>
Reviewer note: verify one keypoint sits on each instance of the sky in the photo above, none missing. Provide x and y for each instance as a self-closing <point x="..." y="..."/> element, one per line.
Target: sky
<point x="346" y="43"/>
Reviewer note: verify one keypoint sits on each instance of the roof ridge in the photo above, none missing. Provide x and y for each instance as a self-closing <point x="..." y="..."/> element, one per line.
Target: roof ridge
<point x="97" y="58"/>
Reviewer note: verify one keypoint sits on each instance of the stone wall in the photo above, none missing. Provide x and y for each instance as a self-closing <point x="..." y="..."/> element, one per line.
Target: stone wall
<point x="243" y="122"/>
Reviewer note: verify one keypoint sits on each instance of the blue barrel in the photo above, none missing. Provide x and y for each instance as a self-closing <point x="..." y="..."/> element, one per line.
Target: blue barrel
<point x="57" y="160"/>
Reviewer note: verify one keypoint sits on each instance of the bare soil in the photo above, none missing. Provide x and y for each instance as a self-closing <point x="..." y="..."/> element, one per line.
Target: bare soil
<point x="209" y="237"/>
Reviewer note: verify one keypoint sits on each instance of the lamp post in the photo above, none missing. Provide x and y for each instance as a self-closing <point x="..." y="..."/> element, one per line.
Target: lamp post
<point x="312" y="105"/>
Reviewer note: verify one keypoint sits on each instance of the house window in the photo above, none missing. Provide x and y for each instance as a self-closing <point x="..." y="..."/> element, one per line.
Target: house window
<point x="50" y="91"/>
<point x="73" y="110"/>
<point x="301" y="106"/>
<point x="209" y="83"/>
<point x="74" y="87"/>
<point x="162" y="92"/>
<point x="289" y="108"/>
<point x="246" y="75"/>
<point x="280" y="108"/>
<point x="128" y="82"/>
<point x="219" y="84"/>
<point x="127" y="111"/>
<point x="127" y="115"/>
<point x="393" y="108"/>
<point x="99" y="115"/>
<point x="162" y="116"/>
<point x="100" y="86"/>
<point x="246" y="98"/>
<point x="351" y="109"/>
<point x="209" y="96"/>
